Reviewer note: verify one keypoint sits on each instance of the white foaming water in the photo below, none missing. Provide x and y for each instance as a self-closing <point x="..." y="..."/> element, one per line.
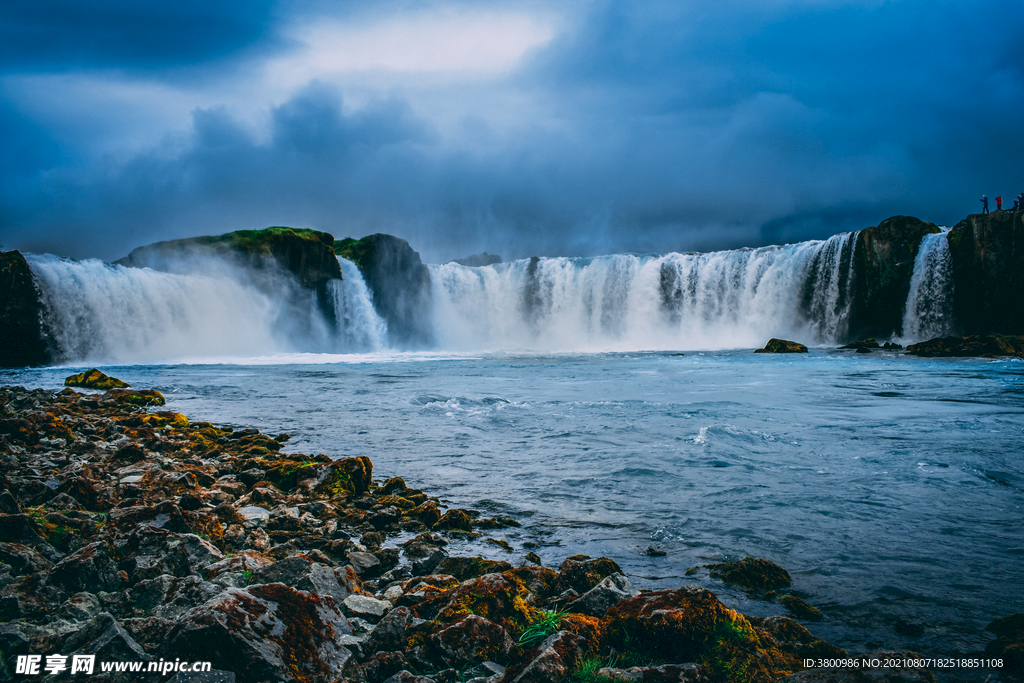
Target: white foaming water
<point x="927" y="314"/>
<point x="99" y="312"/>
<point x="359" y="327"/>
<point x="724" y="299"/>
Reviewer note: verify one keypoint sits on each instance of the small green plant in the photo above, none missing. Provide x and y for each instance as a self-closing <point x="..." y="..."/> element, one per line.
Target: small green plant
<point x="546" y="624"/>
<point x="587" y="672"/>
<point x="247" y="575"/>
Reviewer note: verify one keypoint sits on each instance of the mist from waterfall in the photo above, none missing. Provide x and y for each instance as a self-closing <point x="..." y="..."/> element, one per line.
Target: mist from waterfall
<point x="724" y="299"/>
<point x="928" y="313"/>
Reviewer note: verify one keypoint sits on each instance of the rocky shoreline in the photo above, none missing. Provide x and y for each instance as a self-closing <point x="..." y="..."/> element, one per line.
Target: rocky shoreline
<point x="134" y="534"/>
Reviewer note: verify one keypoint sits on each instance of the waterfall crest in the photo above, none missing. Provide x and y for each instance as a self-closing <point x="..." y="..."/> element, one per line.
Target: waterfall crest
<point x="723" y="299"/>
<point x="360" y="329"/>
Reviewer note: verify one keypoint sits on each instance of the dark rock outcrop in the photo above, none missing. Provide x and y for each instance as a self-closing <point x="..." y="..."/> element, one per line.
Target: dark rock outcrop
<point x="399" y="283"/>
<point x="21" y="340"/>
<point x="987" y="253"/>
<point x="94" y="379"/>
<point x="883" y="266"/>
<point x="989" y="346"/>
<point x="782" y="346"/>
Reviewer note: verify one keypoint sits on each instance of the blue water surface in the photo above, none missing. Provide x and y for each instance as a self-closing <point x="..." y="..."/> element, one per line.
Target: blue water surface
<point x="891" y="487"/>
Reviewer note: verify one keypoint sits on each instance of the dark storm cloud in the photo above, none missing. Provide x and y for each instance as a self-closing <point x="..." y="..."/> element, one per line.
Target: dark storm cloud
<point x="662" y="126"/>
<point x="127" y="34"/>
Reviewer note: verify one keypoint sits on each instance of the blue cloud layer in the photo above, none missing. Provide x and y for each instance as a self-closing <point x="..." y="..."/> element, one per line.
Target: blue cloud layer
<point x="661" y="126"/>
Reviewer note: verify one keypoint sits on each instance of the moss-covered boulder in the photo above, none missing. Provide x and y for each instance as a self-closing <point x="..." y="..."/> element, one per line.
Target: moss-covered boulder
<point x="94" y="379"/>
<point x="455" y="520"/>
<point x="21" y="338"/>
<point x="691" y="625"/>
<point x="136" y="397"/>
<point x="782" y="346"/>
<point x="753" y="573"/>
<point x="399" y="283"/>
<point x="883" y="265"/>
<point x="345" y="476"/>
<point x="464" y="568"/>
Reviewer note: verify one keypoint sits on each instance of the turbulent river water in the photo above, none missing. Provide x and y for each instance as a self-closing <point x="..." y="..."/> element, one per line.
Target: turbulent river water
<point x="890" y="486"/>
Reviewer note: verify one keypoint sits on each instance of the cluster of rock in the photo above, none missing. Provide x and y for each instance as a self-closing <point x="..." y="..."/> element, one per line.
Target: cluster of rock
<point x="129" y="533"/>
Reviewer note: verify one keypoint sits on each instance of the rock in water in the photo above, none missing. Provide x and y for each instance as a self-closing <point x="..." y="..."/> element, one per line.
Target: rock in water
<point x="94" y="379"/>
<point x="989" y="346"/>
<point x="782" y="346"/>
<point x="755" y="573"/>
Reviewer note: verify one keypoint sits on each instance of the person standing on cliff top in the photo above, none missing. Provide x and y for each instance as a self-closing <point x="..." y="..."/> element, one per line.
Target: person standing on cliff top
<point x="984" y="203"/>
<point x="999" y="203"/>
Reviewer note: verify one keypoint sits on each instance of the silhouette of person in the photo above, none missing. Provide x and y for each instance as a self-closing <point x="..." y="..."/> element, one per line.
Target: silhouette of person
<point x="984" y="203"/>
<point x="999" y="203"/>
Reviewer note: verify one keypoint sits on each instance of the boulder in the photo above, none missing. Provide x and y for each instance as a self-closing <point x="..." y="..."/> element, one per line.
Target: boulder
<point x="104" y="637"/>
<point x="557" y="657"/>
<point x="366" y="608"/>
<point x="170" y="597"/>
<point x="463" y="568"/>
<point x="782" y="346"/>
<point x="21" y="337"/>
<point x="1009" y="643"/>
<point x="611" y="590"/>
<point x="267" y="632"/>
<point x="581" y="573"/>
<point x="94" y="379"/>
<point x="90" y="569"/>
<point x="389" y="633"/>
<point x="500" y="598"/>
<point x="753" y="573"/>
<point x="883" y="265"/>
<point x="150" y="552"/>
<point x="455" y="520"/>
<point x="471" y="639"/>
<point x="79" y="607"/>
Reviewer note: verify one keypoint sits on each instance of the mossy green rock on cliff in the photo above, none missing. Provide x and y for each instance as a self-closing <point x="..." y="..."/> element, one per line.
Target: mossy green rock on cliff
<point x="307" y="254"/>
<point x="21" y="341"/>
<point x="399" y="283"/>
<point x="987" y="254"/>
<point x="883" y="266"/>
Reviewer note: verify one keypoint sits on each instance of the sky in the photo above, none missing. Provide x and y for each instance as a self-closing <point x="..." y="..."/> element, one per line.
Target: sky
<point x="516" y="127"/>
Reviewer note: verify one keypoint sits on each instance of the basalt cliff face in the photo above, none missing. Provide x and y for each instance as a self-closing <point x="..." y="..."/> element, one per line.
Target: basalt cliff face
<point x="399" y="283"/>
<point x="21" y="341"/>
<point x="883" y="265"/>
<point x="987" y="252"/>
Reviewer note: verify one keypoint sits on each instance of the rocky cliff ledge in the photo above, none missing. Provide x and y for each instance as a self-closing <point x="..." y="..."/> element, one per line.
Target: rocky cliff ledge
<point x="399" y="283"/>
<point x="306" y="254"/>
<point x="21" y="341"/>
<point x="987" y="252"/>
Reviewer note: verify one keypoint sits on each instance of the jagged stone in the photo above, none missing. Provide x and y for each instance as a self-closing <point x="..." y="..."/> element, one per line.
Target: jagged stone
<point x="389" y="633"/>
<point x="170" y="597"/>
<point x="557" y="656"/>
<point x="471" y="639"/>
<point x="610" y="591"/>
<point x="104" y="637"/>
<point x="581" y="573"/>
<point x="90" y="569"/>
<point x="365" y="607"/>
<point x="79" y="607"/>
<point x="269" y="631"/>
<point x="151" y="552"/>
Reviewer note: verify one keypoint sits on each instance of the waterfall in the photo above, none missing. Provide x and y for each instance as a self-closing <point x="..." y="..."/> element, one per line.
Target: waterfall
<point x="360" y="329"/>
<point x="928" y="312"/>
<point x="723" y="299"/>
<point x="97" y="312"/>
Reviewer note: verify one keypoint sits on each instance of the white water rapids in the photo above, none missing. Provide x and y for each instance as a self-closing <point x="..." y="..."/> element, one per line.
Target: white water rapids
<point x="97" y="312"/>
